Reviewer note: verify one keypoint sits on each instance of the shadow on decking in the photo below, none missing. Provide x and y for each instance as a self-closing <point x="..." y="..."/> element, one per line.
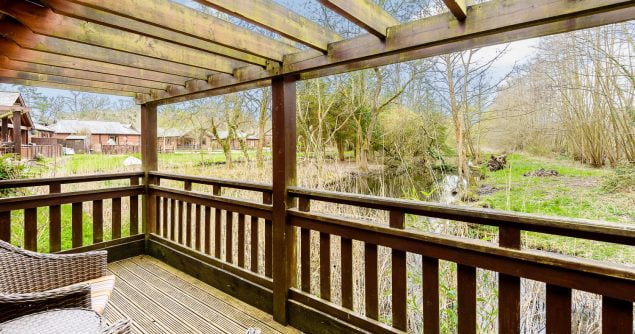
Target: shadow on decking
<point x="161" y="299"/>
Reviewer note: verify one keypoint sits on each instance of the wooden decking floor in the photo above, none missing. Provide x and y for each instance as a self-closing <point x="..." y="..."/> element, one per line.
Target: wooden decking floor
<point x="160" y="299"/>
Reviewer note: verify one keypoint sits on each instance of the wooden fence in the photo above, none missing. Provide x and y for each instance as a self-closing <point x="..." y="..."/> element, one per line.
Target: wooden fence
<point x="199" y="226"/>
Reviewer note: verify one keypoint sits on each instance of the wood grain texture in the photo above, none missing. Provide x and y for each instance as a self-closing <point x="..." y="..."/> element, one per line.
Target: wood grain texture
<point x="116" y="218"/>
<point x="558" y="310"/>
<point x="98" y="221"/>
<point x="77" y="225"/>
<point x="5" y="226"/>
<point x="371" y="290"/>
<point x="364" y="13"/>
<point x="30" y="229"/>
<point x="55" y="221"/>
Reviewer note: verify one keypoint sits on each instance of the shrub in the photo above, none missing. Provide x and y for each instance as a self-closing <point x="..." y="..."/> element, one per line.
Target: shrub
<point x="622" y="180"/>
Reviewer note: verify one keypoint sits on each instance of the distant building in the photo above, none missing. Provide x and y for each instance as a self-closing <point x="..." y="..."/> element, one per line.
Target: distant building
<point x="98" y="136"/>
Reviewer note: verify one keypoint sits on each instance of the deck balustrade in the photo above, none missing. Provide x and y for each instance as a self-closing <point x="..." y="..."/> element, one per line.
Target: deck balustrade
<point x="220" y="231"/>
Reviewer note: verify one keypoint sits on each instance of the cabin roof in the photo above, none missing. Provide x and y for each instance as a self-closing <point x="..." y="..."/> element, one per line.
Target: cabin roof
<point x="8" y="99"/>
<point x="93" y="127"/>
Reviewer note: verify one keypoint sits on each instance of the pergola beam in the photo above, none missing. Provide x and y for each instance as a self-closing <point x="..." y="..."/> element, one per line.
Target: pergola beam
<point x="490" y="23"/>
<point x="458" y="8"/>
<point x="166" y="15"/>
<point x="46" y="22"/>
<point x="24" y="37"/>
<point x="138" y="27"/>
<point x="275" y="17"/>
<point x="72" y="81"/>
<point x="48" y="84"/>
<point x="15" y="52"/>
<point x="364" y="13"/>
<point x="21" y="66"/>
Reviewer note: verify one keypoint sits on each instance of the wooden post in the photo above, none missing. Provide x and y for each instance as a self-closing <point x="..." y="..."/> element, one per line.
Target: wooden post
<point x="284" y="175"/>
<point x="17" y="135"/>
<point x="5" y="129"/>
<point x="149" y="158"/>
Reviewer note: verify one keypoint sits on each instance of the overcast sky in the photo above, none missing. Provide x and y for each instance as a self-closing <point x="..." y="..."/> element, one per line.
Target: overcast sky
<point x="518" y="53"/>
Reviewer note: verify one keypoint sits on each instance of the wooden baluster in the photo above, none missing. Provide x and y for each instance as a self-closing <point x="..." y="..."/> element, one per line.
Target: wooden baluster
<point x="197" y="230"/>
<point x="558" y="310"/>
<point x="229" y="235"/>
<point x="134" y="209"/>
<point x="304" y="205"/>
<point x="208" y="230"/>
<point x="77" y="224"/>
<point x="55" y="219"/>
<point x="399" y="312"/>
<point x="325" y="266"/>
<point x="98" y="221"/>
<point x="509" y="287"/>
<point x="173" y="222"/>
<point x="430" y="270"/>
<point x="116" y="218"/>
<point x="165" y="217"/>
<point x="188" y="217"/>
<point x="346" y="258"/>
<point x="617" y="316"/>
<point x="180" y="221"/>
<point x="157" y="208"/>
<point x="216" y="191"/>
<point x="371" y="285"/>
<point x="466" y="290"/>
<point x="5" y="226"/>
<point x="254" y="233"/>
<point x="268" y="199"/>
<point x="241" y="240"/>
<point x="30" y="229"/>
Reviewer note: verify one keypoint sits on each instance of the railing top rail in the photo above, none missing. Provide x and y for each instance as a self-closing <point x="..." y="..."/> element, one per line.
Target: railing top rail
<point x="252" y="186"/>
<point x="22" y="183"/>
<point x="571" y="227"/>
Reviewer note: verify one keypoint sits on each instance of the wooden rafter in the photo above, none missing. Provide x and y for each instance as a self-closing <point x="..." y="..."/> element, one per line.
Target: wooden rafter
<point x="21" y="66"/>
<point x="167" y="15"/>
<point x="46" y="22"/>
<point x="490" y="23"/>
<point x="72" y="81"/>
<point x="458" y="8"/>
<point x="365" y="13"/>
<point x="48" y="84"/>
<point x="131" y="25"/>
<point x="14" y="51"/>
<point x="275" y="17"/>
<point x="24" y="37"/>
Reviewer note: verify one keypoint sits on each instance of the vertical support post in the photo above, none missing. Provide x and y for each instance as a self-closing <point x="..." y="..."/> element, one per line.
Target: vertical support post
<point x="5" y="129"/>
<point x="284" y="175"/>
<point x="509" y="286"/>
<point x="149" y="158"/>
<point x="17" y="135"/>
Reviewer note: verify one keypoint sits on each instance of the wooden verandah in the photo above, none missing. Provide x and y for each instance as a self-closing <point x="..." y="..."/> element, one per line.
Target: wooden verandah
<point x="160" y="52"/>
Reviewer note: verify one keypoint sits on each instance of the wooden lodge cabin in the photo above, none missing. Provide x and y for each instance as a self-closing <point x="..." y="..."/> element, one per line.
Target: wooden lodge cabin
<point x="97" y="136"/>
<point x="171" y="140"/>
<point x="211" y="255"/>
<point x="33" y="138"/>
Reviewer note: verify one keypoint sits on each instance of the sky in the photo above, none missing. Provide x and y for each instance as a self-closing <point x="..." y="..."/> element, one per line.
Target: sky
<point x="518" y="53"/>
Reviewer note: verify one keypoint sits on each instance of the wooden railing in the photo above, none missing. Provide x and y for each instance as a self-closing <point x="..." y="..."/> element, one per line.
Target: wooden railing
<point x="54" y="200"/>
<point x="230" y="231"/>
<point x="202" y="222"/>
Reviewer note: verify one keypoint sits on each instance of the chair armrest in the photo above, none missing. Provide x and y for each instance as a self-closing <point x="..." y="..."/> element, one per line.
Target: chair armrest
<point x="20" y="304"/>
<point x="25" y="271"/>
<point x="119" y="327"/>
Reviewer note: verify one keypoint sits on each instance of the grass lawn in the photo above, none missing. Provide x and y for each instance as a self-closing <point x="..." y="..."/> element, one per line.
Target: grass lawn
<point x="577" y="192"/>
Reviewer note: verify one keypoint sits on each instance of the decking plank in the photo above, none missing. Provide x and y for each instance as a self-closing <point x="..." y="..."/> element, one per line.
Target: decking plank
<point x="161" y="299"/>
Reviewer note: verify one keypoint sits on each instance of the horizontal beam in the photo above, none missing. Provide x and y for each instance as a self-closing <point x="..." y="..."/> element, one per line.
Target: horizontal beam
<point x="13" y="51"/>
<point x="72" y="81"/>
<point x="277" y="18"/>
<point x="490" y="23"/>
<point x="45" y="84"/>
<point x="166" y="16"/>
<point x="364" y="13"/>
<point x="46" y="22"/>
<point x="21" y="66"/>
<point x="27" y="39"/>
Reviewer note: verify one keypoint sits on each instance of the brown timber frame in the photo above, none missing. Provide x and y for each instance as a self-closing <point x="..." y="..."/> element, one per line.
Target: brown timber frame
<point x="248" y="248"/>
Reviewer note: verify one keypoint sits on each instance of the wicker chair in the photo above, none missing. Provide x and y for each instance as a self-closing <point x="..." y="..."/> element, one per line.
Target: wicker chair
<point x="32" y="282"/>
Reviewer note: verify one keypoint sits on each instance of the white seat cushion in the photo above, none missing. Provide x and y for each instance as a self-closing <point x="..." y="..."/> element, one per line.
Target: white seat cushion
<point x="100" y="290"/>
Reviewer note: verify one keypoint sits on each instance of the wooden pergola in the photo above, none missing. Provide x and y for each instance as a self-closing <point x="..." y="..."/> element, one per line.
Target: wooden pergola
<point x="161" y="52"/>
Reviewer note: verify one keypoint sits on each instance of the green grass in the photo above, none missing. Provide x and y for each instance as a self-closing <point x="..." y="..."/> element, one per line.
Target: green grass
<point x="577" y="192"/>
